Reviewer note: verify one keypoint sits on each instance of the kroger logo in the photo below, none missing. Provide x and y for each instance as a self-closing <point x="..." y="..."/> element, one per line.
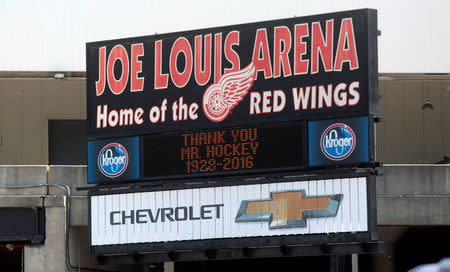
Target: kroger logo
<point x="113" y="160"/>
<point x="338" y="141"/>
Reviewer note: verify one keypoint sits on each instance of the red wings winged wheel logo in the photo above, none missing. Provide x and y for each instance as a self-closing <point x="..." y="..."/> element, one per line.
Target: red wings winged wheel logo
<point x="220" y="98"/>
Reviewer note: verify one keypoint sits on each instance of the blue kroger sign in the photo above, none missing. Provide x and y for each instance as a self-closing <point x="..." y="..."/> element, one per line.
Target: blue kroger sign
<point x="338" y="141"/>
<point x="113" y="160"/>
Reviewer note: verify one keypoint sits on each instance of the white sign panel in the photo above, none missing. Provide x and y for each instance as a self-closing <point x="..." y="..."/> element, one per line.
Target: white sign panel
<point x="287" y="208"/>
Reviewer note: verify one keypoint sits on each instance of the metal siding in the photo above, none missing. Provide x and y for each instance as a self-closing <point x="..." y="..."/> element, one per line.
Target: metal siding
<point x="25" y="107"/>
<point x="351" y="215"/>
<point x="407" y="133"/>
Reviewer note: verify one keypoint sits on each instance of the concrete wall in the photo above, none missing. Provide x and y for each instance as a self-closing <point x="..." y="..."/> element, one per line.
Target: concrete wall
<point x="21" y="175"/>
<point x="414" y="195"/>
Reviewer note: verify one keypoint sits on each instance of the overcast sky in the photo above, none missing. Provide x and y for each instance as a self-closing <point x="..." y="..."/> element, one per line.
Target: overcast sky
<point x="50" y="35"/>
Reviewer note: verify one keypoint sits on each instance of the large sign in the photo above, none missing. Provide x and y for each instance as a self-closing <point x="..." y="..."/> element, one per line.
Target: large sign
<point x="276" y="71"/>
<point x="330" y="206"/>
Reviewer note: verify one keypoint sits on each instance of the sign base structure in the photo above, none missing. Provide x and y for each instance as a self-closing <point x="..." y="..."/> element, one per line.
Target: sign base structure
<point x="292" y="216"/>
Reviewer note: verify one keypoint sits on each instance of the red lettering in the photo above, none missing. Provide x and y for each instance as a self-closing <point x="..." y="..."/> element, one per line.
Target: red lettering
<point x="262" y="46"/>
<point x="118" y="53"/>
<point x="202" y="76"/>
<point x="161" y="80"/>
<point x="231" y="55"/>
<point x="137" y="83"/>
<point x="318" y="45"/>
<point x="100" y="84"/>
<point x="217" y="56"/>
<point x="300" y="65"/>
<point x="282" y="35"/>
<point x="346" y="49"/>
<point x="180" y="79"/>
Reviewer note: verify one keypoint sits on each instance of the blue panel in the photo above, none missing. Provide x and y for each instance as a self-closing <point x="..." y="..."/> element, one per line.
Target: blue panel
<point x="338" y="141"/>
<point x="113" y="160"/>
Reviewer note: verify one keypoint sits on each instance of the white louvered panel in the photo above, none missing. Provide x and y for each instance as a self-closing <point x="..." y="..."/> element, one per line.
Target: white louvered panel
<point x="94" y="221"/>
<point x="137" y="227"/>
<point x="173" y="225"/>
<point x="144" y="227"/>
<point x="362" y="195"/>
<point x="181" y="225"/>
<point x="196" y="223"/>
<point x="329" y="221"/>
<point x="218" y="192"/>
<point x="337" y="221"/>
<point x="313" y="190"/>
<point x="152" y="204"/>
<point x="101" y="219"/>
<point x="130" y="230"/>
<point x="108" y="227"/>
<point x="354" y="216"/>
<point x="227" y="222"/>
<point x="265" y="191"/>
<point x="162" y="214"/>
<point x="345" y="205"/>
<point x="234" y="203"/>
<point x="159" y="227"/>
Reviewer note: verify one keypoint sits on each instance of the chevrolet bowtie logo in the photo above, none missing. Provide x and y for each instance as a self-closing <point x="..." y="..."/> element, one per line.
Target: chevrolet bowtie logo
<point x="288" y="209"/>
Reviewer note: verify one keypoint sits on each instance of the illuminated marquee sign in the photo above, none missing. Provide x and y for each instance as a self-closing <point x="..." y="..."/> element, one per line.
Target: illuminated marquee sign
<point x="269" y="72"/>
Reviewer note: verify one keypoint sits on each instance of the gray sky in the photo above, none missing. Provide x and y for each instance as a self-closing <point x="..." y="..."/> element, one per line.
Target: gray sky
<point x="50" y="35"/>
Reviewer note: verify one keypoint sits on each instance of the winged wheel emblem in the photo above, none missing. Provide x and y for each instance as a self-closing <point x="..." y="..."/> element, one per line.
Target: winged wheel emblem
<point x="220" y="98"/>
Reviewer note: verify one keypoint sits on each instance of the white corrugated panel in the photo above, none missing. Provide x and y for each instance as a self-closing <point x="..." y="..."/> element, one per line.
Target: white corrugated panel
<point x="284" y="208"/>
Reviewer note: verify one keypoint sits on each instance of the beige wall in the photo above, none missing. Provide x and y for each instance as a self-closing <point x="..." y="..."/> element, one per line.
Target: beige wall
<point x="407" y="134"/>
<point x="26" y="105"/>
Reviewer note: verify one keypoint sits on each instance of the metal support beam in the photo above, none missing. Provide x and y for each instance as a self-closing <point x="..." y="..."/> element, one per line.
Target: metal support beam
<point x="341" y="263"/>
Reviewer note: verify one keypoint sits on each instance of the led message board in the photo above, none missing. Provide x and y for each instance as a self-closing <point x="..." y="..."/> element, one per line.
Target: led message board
<point x="224" y="151"/>
<point x="286" y="70"/>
